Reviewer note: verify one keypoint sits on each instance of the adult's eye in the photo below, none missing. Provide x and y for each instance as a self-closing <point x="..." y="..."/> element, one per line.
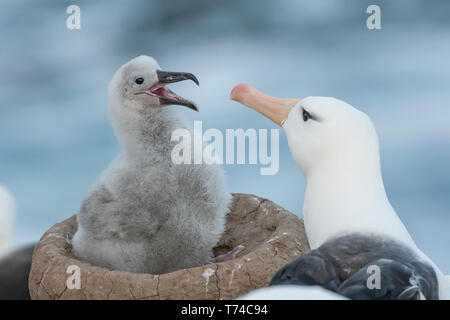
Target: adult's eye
<point x="306" y="115"/>
<point x="139" y="80"/>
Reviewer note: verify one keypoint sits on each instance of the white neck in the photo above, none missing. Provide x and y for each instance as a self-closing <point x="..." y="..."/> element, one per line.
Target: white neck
<point x="345" y="196"/>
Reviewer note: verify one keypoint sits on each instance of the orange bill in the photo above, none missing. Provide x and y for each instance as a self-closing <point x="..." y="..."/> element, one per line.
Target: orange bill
<point x="276" y="109"/>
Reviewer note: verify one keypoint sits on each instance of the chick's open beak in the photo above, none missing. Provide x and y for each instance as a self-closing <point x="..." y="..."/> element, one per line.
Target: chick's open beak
<point x="168" y="97"/>
<point x="276" y="109"/>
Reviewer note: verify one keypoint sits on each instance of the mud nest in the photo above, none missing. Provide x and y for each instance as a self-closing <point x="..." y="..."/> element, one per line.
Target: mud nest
<point x="271" y="235"/>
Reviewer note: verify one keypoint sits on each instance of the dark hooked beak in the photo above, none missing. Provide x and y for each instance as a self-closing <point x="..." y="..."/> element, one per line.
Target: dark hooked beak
<point x="166" y="96"/>
<point x="171" y="77"/>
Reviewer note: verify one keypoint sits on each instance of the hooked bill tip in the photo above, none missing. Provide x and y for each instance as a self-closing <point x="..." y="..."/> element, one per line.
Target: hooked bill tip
<point x="194" y="78"/>
<point x="240" y="88"/>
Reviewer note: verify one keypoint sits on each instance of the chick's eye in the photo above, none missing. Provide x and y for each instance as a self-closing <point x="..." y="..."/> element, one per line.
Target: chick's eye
<point x="306" y="115"/>
<point x="139" y="80"/>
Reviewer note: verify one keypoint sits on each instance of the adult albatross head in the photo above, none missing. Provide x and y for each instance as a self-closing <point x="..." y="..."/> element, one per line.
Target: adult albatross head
<point x="322" y="132"/>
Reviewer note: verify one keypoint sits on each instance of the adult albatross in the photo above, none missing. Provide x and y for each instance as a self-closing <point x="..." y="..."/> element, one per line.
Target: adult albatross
<point x="360" y="247"/>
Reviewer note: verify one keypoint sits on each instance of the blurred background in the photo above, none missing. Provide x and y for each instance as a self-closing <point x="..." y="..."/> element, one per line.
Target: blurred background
<point x="55" y="136"/>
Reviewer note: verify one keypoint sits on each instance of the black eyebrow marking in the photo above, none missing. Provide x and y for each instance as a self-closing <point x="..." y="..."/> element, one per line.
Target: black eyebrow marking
<point x="312" y="115"/>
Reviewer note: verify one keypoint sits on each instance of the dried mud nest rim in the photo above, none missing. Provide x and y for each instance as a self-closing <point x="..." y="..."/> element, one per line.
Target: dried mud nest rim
<point x="271" y="235"/>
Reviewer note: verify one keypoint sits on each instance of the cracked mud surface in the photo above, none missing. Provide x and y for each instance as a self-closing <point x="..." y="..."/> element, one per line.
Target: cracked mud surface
<point x="271" y="235"/>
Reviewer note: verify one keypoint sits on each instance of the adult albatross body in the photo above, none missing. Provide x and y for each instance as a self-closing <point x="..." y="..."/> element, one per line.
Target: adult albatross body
<point x="14" y="264"/>
<point x="7" y="212"/>
<point x="351" y="226"/>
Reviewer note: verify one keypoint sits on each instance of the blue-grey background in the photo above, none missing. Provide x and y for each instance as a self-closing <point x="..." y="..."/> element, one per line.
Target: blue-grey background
<point x="55" y="137"/>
